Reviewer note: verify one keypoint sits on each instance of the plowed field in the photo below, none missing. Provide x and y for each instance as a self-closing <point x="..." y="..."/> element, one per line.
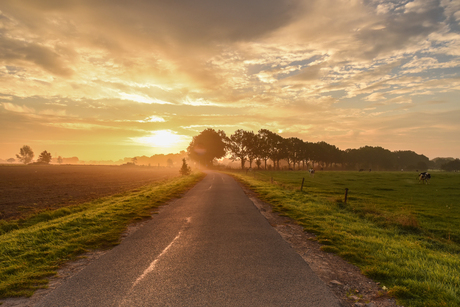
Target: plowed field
<point x="28" y="189"/>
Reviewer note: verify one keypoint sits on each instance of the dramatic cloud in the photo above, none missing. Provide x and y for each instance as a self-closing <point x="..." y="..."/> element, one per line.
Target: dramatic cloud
<point x="351" y="73"/>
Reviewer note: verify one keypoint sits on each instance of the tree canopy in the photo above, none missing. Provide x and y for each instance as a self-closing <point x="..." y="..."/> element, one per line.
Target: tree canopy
<point x="26" y="154"/>
<point x="207" y="146"/>
<point x="44" y="157"/>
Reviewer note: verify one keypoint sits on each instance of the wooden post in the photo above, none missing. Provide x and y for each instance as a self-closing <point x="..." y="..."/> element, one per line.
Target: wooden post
<point x="346" y="194"/>
<point x="301" y="187"/>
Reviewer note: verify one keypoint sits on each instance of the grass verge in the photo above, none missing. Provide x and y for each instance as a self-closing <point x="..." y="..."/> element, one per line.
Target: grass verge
<point x="388" y="243"/>
<point x="32" y="249"/>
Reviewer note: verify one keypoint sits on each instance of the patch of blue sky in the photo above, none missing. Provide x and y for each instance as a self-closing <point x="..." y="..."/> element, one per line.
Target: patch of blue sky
<point x="306" y="61"/>
<point x="257" y="68"/>
<point x="337" y="94"/>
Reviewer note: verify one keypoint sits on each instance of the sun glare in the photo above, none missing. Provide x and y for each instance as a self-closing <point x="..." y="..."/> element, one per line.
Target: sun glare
<point x="160" y="138"/>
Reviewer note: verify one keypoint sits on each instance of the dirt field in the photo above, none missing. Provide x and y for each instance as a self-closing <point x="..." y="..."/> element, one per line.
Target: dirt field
<point x="27" y="189"/>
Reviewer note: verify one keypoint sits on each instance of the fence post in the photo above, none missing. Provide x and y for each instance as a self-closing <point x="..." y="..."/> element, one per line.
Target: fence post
<point x="301" y="187"/>
<point x="346" y="194"/>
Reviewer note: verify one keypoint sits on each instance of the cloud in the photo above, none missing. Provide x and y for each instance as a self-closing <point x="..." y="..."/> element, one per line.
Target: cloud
<point x="312" y="67"/>
<point x="17" y="51"/>
<point x="15" y="108"/>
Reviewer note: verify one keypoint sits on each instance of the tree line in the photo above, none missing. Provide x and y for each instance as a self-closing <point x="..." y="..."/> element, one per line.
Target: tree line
<point x="268" y="150"/>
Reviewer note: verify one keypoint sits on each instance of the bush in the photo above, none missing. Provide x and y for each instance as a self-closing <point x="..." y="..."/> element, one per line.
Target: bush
<point x="185" y="169"/>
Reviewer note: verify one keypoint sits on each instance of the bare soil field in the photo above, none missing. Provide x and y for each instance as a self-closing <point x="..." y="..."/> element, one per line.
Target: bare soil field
<point x="28" y="189"/>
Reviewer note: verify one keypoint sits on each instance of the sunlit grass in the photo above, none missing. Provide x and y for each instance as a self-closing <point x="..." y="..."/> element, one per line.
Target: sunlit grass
<point x="34" y="248"/>
<point x="399" y="232"/>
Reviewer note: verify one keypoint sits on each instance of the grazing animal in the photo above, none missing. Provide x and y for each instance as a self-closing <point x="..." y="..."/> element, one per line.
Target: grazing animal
<point x="312" y="172"/>
<point x="424" y="177"/>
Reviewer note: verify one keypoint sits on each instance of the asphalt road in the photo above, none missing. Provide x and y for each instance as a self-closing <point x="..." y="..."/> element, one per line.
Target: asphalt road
<point x="210" y="248"/>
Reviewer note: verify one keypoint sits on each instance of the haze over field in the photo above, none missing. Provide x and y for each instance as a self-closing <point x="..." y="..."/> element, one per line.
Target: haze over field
<point x="113" y="79"/>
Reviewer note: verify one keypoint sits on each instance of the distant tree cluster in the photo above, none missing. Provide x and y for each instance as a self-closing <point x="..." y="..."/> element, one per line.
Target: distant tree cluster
<point x="26" y="156"/>
<point x="263" y="146"/>
<point x="169" y="160"/>
<point x="453" y="165"/>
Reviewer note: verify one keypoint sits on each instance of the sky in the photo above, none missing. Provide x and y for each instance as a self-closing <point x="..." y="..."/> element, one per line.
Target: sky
<point x="106" y="80"/>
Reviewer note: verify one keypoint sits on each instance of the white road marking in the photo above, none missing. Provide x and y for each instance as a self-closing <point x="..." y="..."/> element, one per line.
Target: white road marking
<point x="153" y="264"/>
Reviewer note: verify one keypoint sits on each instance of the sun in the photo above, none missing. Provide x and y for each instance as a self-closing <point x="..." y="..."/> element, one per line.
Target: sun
<point x="161" y="138"/>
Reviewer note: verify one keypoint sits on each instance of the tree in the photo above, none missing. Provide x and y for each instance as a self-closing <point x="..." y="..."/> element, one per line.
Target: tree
<point x="44" y="157"/>
<point x="134" y="160"/>
<point x="453" y="165"/>
<point x="185" y="169"/>
<point x="10" y="160"/>
<point x="59" y="160"/>
<point x="294" y="152"/>
<point x="25" y="154"/>
<point x="276" y="145"/>
<point x="264" y="148"/>
<point x="170" y="163"/>
<point x="239" y="145"/>
<point x="207" y="146"/>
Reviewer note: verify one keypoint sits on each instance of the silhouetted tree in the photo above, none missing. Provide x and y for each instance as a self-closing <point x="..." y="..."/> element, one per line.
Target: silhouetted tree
<point x="25" y="154"/>
<point x="307" y="154"/>
<point x="294" y="152"/>
<point x="253" y="146"/>
<point x="263" y="146"/>
<point x="44" y="157"/>
<point x="369" y="157"/>
<point x="439" y="162"/>
<point x="134" y="160"/>
<point x="242" y="146"/>
<point x="10" y="160"/>
<point x="59" y="160"/>
<point x="277" y="146"/>
<point x="170" y="162"/>
<point x="410" y="160"/>
<point x="451" y="165"/>
<point x="185" y="169"/>
<point x="207" y="146"/>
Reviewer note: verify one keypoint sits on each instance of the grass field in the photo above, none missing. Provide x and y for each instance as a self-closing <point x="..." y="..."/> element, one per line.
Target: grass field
<point x="32" y="249"/>
<point x="401" y="233"/>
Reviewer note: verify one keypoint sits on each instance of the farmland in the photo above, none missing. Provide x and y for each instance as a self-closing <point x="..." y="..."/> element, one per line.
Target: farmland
<point x="397" y="231"/>
<point x="34" y="247"/>
<point x="29" y="189"/>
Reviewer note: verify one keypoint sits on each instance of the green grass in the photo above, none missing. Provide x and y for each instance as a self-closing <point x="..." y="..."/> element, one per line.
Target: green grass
<point x="399" y="232"/>
<point x="32" y="249"/>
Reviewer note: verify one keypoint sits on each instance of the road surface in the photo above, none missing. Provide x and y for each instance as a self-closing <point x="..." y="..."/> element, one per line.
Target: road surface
<point x="210" y="248"/>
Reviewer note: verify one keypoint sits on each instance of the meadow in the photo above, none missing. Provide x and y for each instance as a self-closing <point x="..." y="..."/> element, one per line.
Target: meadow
<point x="399" y="232"/>
<point x="33" y="248"/>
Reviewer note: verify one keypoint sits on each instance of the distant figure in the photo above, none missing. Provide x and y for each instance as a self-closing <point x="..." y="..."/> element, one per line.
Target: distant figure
<point x="424" y="177"/>
<point x="312" y="172"/>
<point x="370" y="170"/>
<point x="361" y="169"/>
